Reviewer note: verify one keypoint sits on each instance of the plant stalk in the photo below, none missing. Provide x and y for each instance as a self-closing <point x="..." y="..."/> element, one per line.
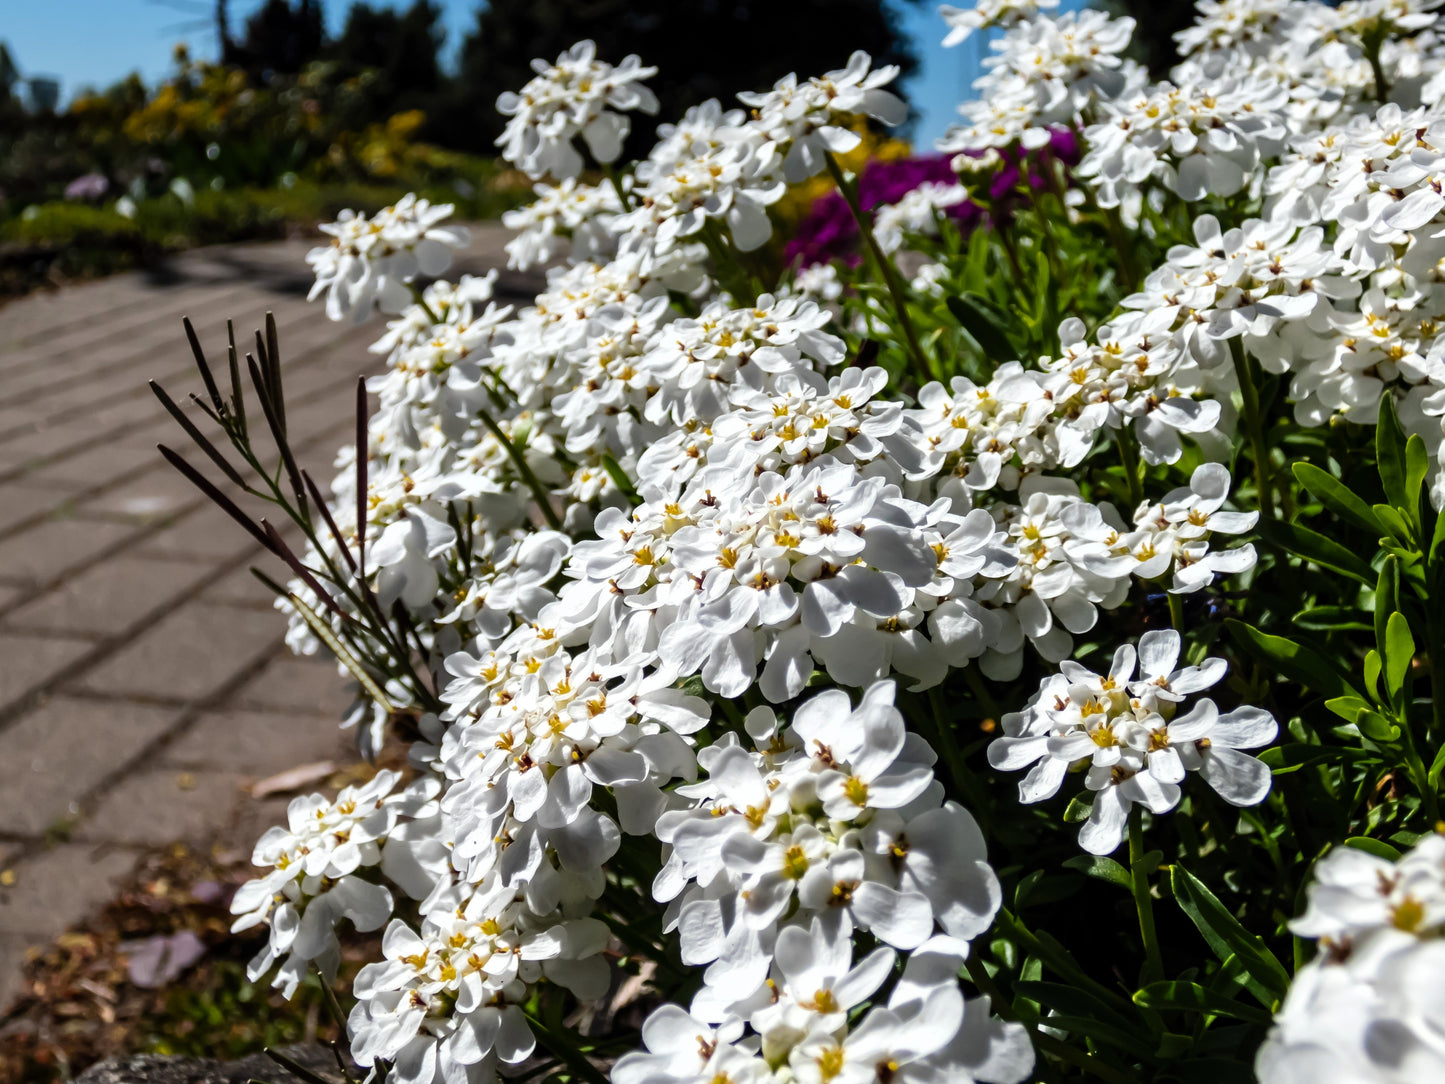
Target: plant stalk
<point x="1244" y="373"/>
<point x="1143" y="901"/>
<point x="886" y="269"/>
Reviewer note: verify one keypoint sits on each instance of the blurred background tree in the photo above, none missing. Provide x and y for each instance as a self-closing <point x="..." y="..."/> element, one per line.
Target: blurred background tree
<point x="1157" y="21"/>
<point x="280" y="39"/>
<point x="288" y="124"/>
<point x="401" y="48"/>
<point x="702" y="48"/>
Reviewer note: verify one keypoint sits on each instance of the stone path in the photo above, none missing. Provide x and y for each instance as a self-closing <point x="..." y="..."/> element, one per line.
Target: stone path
<point x="144" y="684"/>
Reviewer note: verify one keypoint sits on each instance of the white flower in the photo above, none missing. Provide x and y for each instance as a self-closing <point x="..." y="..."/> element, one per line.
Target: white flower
<point x="1199" y="140"/>
<point x="1367" y="1008"/>
<point x="807" y="121"/>
<point x="312" y="884"/>
<point x="569" y="217"/>
<point x="579" y="95"/>
<point x="986" y="14"/>
<point x="372" y="260"/>
<point x="1126" y="729"/>
<point x="712" y="166"/>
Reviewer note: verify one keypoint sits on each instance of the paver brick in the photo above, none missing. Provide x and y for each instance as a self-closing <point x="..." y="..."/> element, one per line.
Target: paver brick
<point x="63" y="749"/>
<point x="58" y="887"/>
<point x="40" y="554"/>
<point x="96" y="467"/>
<point x="107" y="598"/>
<point x="205" y="532"/>
<point x="195" y="804"/>
<point x="291" y="684"/>
<point x="30" y="663"/>
<point x="20" y="502"/>
<point x="159" y="494"/>
<point x="240" y="588"/>
<point x="258" y="743"/>
<point x="189" y="654"/>
<point x="13" y="948"/>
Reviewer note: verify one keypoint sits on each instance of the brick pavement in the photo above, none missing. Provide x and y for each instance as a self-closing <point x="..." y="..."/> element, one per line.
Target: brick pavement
<point x="143" y="679"/>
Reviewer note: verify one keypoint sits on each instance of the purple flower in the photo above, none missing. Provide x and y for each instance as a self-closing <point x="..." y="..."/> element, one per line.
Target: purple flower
<point x="829" y="232"/>
<point x="88" y="186"/>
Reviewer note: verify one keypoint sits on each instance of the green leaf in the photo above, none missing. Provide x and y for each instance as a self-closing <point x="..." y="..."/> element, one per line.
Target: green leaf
<point x="1437" y="765"/>
<point x="1417" y="466"/>
<point x="1387" y="594"/>
<point x="1268" y="980"/>
<point x="1399" y="651"/>
<point x="1078" y="810"/>
<point x="1132" y="1039"/>
<point x="1297" y="541"/>
<point x="1295" y="661"/>
<point x="1105" y="869"/>
<point x="1376" y="727"/>
<point x="1390" y="454"/>
<point x="1372" y="668"/>
<point x="1336" y="496"/>
<point x="1395" y="524"/>
<point x="985" y="323"/>
<point x="1437" y="539"/>
<point x="1283" y="759"/>
<point x="1333" y="619"/>
<point x="1191" y="997"/>
<point x="1348" y="708"/>
<point x="1034" y="889"/>
<point x="1379" y="848"/>
<point x="1065" y="998"/>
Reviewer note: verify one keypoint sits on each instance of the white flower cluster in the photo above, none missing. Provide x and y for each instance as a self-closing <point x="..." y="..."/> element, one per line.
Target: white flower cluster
<point x="1044" y="72"/>
<point x="1201" y="140"/>
<point x="577" y="96"/>
<point x="831" y="824"/>
<point x="611" y="515"/>
<point x="316" y="879"/>
<point x="1367" y="1008"/>
<point x="1339" y="284"/>
<point x="1319" y="51"/>
<point x="370" y="260"/>
<point x="805" y="121"/>
<point x="797" y="1027"/>
<point x="1130" y="733"/>
<point x="1340" y="280"/>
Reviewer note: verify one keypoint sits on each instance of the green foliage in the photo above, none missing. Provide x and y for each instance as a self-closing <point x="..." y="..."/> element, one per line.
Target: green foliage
<point x="77" y="240"/>
<point x="1337" y="632"/>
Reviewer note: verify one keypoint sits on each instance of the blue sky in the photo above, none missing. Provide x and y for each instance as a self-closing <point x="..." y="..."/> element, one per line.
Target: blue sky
<point x="96" y="42"/>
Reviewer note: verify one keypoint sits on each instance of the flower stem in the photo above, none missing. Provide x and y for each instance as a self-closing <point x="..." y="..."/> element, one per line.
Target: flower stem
<point x="1143" y="901"/>
<point x="886" y="269"/>
<point x="420" y="299"/>
<point x="560" y="1046"/>
<point x="1054" y="955"/>
<point x="1244" y="373"/>
<point x="1129" y="457"/>
<point x="623" y="199"/>
<point x="524" y="469"/>
<point x="1176" y="611"/>
<point x="1371" y="48"/>
<point x="1081" y="1060"/>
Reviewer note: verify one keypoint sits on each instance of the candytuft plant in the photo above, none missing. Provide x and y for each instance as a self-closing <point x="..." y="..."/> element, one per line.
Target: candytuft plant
<point x="721" y="600"/>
